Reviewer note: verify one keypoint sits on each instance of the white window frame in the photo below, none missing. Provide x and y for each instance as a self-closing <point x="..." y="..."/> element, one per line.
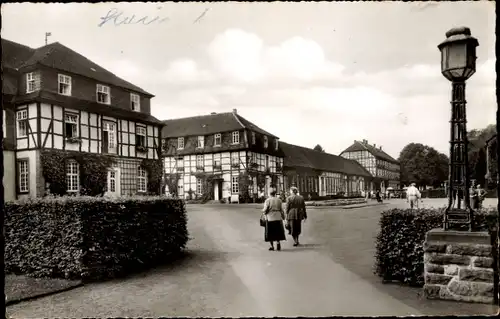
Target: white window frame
<point x="235" y="186"/>
<point x="236" y="137"/>
<point x="23" y="175"/>
<point x="65" y="81"/>
<point x="4" y="127"/>
<point x="200" y="143"/>
<point x="200" y="161"/>
<point x="30" y="82"/>
<point x="70" y="118"/>
<point x="142" y="180"/>
<point x="141" y="131"/>
<point x="199" y="186"/>
<point x="110" y="127"/>
<point x="103" y="89"/>
<point x="266" y="142"/>
<point x="72" y="176"/>
<point x="135" y="102"/>
<point x="22" y="122"/>
<point x="235" y="159"/>
<point x="180" y="143"/>
<point x="179" y="160"/>
<point x="218" y="136"/>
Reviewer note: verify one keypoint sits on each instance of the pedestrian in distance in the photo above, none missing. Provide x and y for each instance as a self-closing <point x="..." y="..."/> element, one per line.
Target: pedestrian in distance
<point x="273" y="216"/>
<point x="413" y="195"/>
<point x="379" y="198"/>
<point x="474" y="196"/>
<point x="295" y="214"/>
<point x="481" y="195"/>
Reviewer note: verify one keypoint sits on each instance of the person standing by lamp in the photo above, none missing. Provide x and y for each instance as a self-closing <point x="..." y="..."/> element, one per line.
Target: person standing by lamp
<point x="413" y="195"/>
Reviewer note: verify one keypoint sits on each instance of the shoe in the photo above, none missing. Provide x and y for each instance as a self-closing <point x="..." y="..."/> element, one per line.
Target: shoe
<point x="271" y="248"/>
<point x="279" y="247"/>
<point x="295" y="244"/>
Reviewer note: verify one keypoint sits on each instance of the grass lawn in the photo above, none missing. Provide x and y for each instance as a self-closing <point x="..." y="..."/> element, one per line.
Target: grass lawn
<point x="18" y="288"/>
<point x="348" y="236"/>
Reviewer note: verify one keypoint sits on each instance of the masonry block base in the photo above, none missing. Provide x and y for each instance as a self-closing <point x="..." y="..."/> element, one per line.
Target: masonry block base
<point x="458" y="266"/>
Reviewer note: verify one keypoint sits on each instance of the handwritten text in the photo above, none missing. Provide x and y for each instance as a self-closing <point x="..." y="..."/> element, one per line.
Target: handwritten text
<point x="118" y="18"/>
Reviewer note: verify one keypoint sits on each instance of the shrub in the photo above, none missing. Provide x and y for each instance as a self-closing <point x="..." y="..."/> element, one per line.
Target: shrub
<point x="91" y="237"/>
<point x="399" y="244"/>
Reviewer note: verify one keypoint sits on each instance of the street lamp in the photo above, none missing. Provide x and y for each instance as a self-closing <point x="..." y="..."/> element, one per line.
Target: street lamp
<point x="458" y="63"/>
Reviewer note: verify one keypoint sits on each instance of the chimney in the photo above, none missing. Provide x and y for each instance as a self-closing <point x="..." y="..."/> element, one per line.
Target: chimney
<point x="380" y="147"/>
<point x="213" y="113"/>
<point x="374" y="145"/>
<point x="235" y="111"/>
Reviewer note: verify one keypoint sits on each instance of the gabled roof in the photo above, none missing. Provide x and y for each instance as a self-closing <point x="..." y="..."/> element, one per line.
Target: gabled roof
<point x="364" y="146"/>
<point x="58" y="56"/>
<point x="298" y="156"/>
<point x="208" y="124"/>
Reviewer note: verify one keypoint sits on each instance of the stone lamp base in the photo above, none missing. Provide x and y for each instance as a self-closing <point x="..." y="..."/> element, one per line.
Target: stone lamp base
<point x="458" y="266"/>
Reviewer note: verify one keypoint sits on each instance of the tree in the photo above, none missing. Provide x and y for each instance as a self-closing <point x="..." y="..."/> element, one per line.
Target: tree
<point x="319" y="148"/>
<point x="423" y="165"/>
<point x="477" y="153"/>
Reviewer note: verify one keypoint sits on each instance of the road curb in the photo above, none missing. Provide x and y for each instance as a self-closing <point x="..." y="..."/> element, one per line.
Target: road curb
<point x="368" y="205"/>
<point x="44" y="294"/>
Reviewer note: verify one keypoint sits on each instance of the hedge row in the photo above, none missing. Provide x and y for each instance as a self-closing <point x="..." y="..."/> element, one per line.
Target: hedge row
<point x="399" y="245"/>
<point x="92" y="238"/>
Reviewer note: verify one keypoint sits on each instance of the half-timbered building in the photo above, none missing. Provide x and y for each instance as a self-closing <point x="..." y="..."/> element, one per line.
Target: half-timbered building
<point x="56" y="99"/>
<point x="320" y="174"/>
<point x="224" y="148"/>
<point x="385" y="169"/>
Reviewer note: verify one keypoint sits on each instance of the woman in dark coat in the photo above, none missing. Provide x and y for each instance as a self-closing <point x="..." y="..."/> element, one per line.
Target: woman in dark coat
<point x="295" y="214"/>
<point x="274" y="216"/>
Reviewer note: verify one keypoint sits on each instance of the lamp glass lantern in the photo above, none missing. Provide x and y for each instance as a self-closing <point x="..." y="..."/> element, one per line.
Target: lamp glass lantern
<point x="458" y="55"/>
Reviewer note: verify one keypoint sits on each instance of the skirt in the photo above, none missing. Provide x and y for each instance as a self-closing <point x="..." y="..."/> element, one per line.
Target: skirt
<point x="295" y="227"/>
<point x="274" y="231"/>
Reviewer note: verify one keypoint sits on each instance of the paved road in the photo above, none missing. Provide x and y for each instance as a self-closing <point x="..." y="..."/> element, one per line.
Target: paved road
<point x="230" y="272"/>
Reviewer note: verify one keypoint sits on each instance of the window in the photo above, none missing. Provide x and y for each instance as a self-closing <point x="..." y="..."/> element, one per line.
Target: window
<point x="141" y="180"/>
<point x="217" y="164"/>
<point x="201" y="142"/>
<point x="198" y="186"/>
<point x="199" y="161"/>
<point x="180" y="143"/>
<point x="23" y="176"/>
<point x="72" y="176"/>
<point x="32" y="82"/>
<point x="112" y="181"/>
<point x="22" y="123"/>
<point x="253" y="137"/>
<point x="140" y="136"/>
<point x="217" y="139"/>
<point x="179" y="162"/>
<point x="267" y="161"/>
<point x="135" y="102"/>
<point x="276" y="144"/>
<point x="235" y="160"/>
<point x="70" y="125"/>
<point x="64" y="84"/>
<point x="265" y="142"/>
<point x="103" y="94"/>
<point x="236" y="137"/>
<point x="4" y="127"/>
<point x="108" y="136"/>
<point x="235" y="186"/>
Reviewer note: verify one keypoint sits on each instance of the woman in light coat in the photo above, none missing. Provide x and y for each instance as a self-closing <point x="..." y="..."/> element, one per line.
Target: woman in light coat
<point x="274" y="216"/>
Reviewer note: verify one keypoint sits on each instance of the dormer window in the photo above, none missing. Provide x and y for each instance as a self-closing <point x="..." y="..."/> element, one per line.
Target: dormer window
<point x="103" y="94"/>
<point x="32" y="82"/>
<point x="135" y="102"/>
<point x="180" y="143"/>
<point x="217" y="139"/>
<point x="276" y="144"/>
<point x="64" y="84"/>
<point x="236" y="137"/>
<point x="253" y="138"/>
<point x="201" y="142"/>
<point x="266" y="143"/>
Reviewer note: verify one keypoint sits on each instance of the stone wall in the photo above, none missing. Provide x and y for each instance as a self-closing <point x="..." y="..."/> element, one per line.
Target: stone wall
<point x="458" y="266"/>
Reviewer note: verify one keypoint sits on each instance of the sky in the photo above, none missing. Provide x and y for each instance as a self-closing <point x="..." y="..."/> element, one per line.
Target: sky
<point x="308" y="72"/>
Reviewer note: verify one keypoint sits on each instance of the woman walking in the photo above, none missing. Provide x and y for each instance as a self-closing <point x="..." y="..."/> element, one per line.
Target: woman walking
<point x="295" y="214"/>
<point x="274" y="215"/>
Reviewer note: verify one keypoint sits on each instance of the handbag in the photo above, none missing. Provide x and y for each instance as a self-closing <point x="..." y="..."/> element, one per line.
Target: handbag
<point x="263" y="220"/>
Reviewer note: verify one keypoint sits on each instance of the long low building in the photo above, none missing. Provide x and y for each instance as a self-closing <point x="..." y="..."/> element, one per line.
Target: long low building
<point x="320" y="174"/>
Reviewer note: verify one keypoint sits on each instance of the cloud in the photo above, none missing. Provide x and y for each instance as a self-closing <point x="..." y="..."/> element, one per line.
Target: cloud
<point x="186" y="70"/>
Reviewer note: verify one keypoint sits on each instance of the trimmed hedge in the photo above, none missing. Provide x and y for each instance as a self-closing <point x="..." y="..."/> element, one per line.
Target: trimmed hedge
<point x="92" y="238"/>
<point x="399" y="244"/>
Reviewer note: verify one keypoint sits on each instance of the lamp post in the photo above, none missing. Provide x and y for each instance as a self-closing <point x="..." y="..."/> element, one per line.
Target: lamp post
<point x="458" y="63"/>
